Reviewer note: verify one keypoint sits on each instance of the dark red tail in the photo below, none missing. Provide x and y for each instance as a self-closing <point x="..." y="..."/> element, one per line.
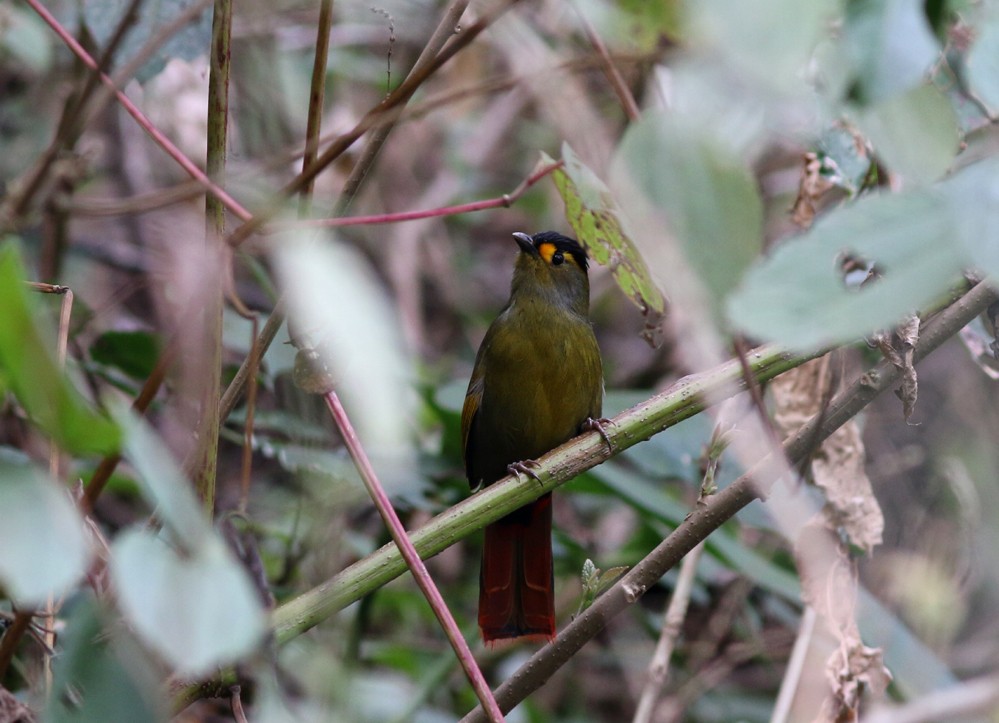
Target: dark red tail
<point x="516" y="585"/>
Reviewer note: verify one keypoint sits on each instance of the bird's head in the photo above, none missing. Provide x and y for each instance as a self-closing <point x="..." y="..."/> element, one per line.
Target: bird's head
<point x="553" y="267"/>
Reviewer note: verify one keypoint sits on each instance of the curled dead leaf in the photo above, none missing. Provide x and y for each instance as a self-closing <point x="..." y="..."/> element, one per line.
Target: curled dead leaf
<point x="897" y="347"/>
<point x="838" y="464"/>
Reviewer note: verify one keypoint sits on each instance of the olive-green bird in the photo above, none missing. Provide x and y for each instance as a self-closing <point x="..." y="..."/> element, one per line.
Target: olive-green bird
<point x="537" y="382"/>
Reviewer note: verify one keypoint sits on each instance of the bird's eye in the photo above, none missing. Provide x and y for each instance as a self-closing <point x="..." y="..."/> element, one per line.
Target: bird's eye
<point x="557" y="258"/>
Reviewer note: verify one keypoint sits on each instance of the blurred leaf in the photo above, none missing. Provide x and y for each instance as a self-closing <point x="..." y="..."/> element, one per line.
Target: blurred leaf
<point x="982" y="61"/>
<point x="45" y="548"/>
<point x="134" y="352"/>
<point x="845" y="156"/>
<point x="24" y="36"/>
<point x="973" y="193"/>
<point x="98" y="676"/>
<point x="27" y="361"/>
<point x="190" y="42"/>
<point x="706" y="194"/>
<point x="163" y="484"/>
<point x="915" y="133"/>
<point x="591" y="211"/>
<point x="890" y="45"/>
<point x="771" y="39"/>
<point x="342" y="312"/>
<point x="797" y="296"/>
<point x="198" y="610"/>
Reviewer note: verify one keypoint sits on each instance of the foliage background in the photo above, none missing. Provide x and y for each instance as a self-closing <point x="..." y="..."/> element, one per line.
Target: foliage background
<point x="733" y="94"/>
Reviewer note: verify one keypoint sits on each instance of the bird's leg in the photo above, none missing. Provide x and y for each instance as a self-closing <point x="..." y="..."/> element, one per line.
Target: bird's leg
<point x="600" y="427"/>
<point x="527" y="467"/>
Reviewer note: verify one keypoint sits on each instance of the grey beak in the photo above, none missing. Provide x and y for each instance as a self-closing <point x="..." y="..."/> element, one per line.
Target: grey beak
<point x="526" y="243"/>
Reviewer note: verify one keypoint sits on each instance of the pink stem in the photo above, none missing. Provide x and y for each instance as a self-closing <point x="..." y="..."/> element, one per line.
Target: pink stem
<point x="504" y="201"/>
<point x="412" y="558"/>
<point x="186" y="163"/>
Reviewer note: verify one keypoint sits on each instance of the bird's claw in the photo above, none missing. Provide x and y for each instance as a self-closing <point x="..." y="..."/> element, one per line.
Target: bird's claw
<point x="527" y="467"/>
<point x="600" y="427"/>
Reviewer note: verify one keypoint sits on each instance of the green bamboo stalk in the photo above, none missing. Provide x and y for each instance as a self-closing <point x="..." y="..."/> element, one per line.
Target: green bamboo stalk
<point x="684" y="399"/>
<point x="206" y="456"/>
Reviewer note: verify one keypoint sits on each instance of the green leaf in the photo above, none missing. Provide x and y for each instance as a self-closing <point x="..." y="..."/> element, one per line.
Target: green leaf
<point x="646" y="24"/>
<point x="915" y="133"/>
<point x="973" y="194"/>
<point x="24" y="36"/>
<point x="134" y="352"/>
<point x="706" y="194"/>
<point x="27" y="363"/>
<point x="890" y="46"/>
<point x="44" y="546"/>
<point x="797" y="296"/>
<point x="982" y="62"/>
<point x="770" y="39"/>
<point x="198" y="611"/>
<point x="591" y="211"/>
<point x="845" y="157"/>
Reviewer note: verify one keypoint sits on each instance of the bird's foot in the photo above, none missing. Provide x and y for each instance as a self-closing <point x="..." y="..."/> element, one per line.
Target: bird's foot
<point x="600" y="427"/>
<point x="527" y="467"/>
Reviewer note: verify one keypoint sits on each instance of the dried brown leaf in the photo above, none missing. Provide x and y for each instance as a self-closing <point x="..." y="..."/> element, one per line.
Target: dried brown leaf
<point x="897" y="347"/>
<point x="852" y="669"/>
<point x="829" y="586"/>
<point x="838" y="464"/>
<point x="812" y="186"/>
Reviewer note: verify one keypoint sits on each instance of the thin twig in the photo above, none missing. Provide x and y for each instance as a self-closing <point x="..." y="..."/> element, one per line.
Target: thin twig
<point x="412" y="558"/>
<point x="247" y="370"/>
<point x="313" y="128"/>
<point x="795" y="666"/>
<point x="610" y="69"/>
<point x="51" y="607"/>
<point x="251" y="406"/>
<point x="209" y="388"/>
<point x="236" y="700"/>
<point x="676" y="612"/>
<point x="672" y="623"/>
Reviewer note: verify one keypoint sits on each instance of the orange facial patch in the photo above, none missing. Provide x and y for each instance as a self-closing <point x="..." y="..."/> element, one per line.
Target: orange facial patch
<point x="547" y="250"/>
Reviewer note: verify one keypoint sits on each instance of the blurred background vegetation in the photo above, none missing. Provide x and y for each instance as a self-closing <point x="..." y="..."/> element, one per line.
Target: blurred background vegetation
<point x="891" y="97"/>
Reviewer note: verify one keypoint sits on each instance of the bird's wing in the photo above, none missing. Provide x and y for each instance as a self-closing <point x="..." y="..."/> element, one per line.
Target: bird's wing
<point x="469" y="413"/>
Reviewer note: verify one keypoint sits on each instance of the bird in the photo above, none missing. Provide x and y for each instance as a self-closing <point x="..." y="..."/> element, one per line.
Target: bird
<point x="537" y="382"/>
